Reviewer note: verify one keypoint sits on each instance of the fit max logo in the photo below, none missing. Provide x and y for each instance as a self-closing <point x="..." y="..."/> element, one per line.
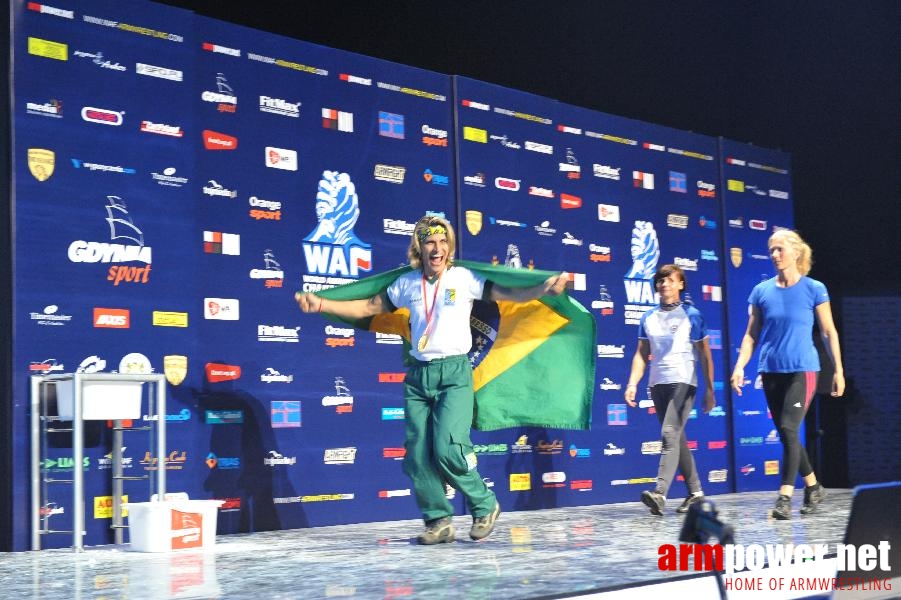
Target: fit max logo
<point x="213" y="140"/>
<point x="279" y="106"/>
<point x="332" y="249"/>
<point x="121" y="228"/>
<point x="224" y="96"/>
<point x="103" y="116"/>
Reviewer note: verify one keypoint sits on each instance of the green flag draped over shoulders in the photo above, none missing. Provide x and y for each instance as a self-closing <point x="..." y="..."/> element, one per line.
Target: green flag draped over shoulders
<point x="533" y="362"/>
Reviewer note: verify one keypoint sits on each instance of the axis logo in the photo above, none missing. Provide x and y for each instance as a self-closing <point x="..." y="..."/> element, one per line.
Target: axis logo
<point x="121" y="228"/>
<point x="112" y="318"/>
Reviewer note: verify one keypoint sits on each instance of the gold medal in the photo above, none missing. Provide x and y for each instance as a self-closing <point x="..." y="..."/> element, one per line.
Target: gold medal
<point x="423" y="341"/>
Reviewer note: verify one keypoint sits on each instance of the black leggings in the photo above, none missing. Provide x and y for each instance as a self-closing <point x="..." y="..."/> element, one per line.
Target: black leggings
<point x="788" y="396"/>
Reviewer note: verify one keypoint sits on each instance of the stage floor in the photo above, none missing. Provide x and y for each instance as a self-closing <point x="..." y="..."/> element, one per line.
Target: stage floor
<point x="550" y="553"/>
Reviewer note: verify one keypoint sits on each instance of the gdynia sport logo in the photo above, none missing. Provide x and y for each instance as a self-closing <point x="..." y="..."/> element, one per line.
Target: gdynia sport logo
<point x="743" y="566"/>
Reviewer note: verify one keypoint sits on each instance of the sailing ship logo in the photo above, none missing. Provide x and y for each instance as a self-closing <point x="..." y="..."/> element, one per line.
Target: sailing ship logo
<point x="121" y="228"/>
<point x="272" y="271"/>
<point x="342" y="395"/>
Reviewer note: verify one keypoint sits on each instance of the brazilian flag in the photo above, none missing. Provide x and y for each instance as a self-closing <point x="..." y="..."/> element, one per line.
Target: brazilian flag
<point x="533" y="362"/>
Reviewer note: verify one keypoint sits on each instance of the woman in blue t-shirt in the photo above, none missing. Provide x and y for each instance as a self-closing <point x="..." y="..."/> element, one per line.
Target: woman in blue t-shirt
<point x="780" y="322"/>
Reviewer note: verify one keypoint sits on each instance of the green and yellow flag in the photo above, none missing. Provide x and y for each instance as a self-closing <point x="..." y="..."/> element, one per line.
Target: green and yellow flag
<point x="533" y="362"/>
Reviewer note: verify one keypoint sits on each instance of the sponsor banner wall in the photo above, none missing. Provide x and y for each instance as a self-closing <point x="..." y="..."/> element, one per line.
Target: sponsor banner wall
<point x="757" y="202"/>
<point x="177" y="179"/>
<point x="551" y="186"/>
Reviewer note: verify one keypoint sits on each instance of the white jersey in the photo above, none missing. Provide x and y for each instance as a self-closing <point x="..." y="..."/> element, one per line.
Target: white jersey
<point x="449" y="333"/>
<point x="671" y="335"/>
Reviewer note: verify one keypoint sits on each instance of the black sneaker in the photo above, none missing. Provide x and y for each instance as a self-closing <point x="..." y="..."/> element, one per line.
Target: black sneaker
<point x="484" y="525"/>
<point x="437" y="531"/>
<point x="813" y="495"/>
<point x="653" y="500"/>
<point x="689" y="500"/>
<point x="783" y="508"/>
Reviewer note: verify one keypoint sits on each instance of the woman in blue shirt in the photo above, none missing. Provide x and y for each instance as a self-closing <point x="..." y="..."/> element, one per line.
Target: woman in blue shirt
<point x="780" y="321"/>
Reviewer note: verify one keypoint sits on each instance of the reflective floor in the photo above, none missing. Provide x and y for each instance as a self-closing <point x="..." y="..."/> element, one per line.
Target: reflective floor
<point x="535" y="554"/>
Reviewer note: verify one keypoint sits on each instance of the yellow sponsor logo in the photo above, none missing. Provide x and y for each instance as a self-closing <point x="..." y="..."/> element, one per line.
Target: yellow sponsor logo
<point x="474" y="134"/>
<point x="520" y="482"/>
<point x="103" y="507"/>
<point x="771" y="467"/>
<point x="170" y="319"/>
<point x="736" y="185"/>
<point x="48" y="49"/>
<point x="473" y="221"/>
<point x="41" y="163"/>
<point x="176" y="368"/>
<point x="735" y="254"/>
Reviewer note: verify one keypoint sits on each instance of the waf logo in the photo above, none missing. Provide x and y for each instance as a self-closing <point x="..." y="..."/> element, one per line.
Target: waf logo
<point x="332" y="250"/>
<point x="224" y="96"/>
<point x="121" y="228"/>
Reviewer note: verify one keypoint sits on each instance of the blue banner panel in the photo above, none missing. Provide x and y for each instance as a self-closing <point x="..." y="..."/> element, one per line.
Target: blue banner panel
<point x="757" y="202"/>
<point x="551" y="186"/>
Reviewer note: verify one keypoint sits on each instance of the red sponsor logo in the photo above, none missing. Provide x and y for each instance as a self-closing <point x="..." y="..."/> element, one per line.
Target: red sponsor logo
<point x="506" y="184"/>
<point x="101" y="115"/>
<point x="599" y="257"/>
<point x="716" y="445"/>
<point x="570" y="201"/>
<point x="757" y="224"/>
<point x="344" y="409"/>
<point x="230" y="504"/>
<point x="394" y="452"/>
<point x="213" y="140"/>
<point x="112" y="318"/>
<point x="216" y="372"/>
<point x="391" y="377"/>
<point x="580" y="484"/>
<point x="692" y="444"/>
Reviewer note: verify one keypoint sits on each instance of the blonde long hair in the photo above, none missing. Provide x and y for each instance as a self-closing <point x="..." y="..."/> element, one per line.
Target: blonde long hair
<point x="791" y="237"/>
<point x="426" y="226"/>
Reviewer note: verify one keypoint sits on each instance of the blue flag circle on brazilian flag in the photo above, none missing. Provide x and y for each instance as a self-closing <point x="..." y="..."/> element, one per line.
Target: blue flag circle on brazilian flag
<point x="533" y="362"/>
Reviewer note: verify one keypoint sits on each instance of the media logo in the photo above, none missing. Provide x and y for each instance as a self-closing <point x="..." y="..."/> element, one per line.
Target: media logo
<point x="706" y="190"/>
<point x="264" y="210"/>
<point x="434" y="137"/>
<point x="52" y="108"/>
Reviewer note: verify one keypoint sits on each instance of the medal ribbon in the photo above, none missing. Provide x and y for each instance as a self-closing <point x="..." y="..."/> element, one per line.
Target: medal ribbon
<point x="429" y="313"/>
